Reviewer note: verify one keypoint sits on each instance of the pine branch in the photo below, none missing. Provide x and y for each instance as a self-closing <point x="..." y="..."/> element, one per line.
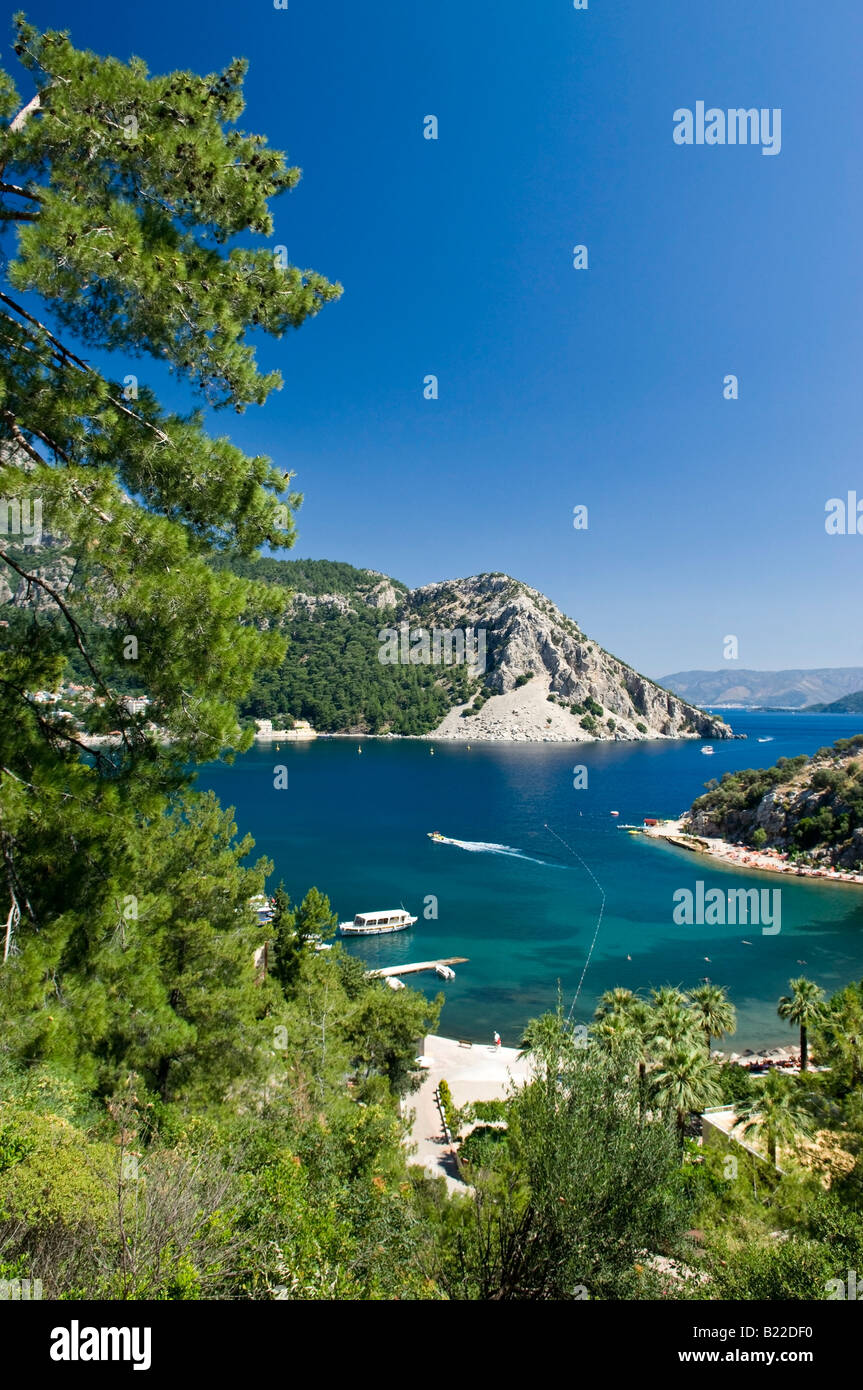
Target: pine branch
<point x="18" y="122"/>
<point x="70" y="356"/>
<point x="70" y="619"/>
<point x="54" y="731"/>
<point x="19" y="191"/>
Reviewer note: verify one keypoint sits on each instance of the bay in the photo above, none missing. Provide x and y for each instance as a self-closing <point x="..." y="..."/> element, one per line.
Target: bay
<point x="523" y="901"/>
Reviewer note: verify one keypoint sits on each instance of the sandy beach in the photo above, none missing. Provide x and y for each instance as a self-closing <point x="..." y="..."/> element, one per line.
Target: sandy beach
<point x="742" y="857"/>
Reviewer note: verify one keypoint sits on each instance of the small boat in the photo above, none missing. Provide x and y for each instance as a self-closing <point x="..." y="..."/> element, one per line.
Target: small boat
<point x="766" y="740"/>
<point x="445" y="972"/>
<point x="262" y="908"/>
<point x="615" y="813"/>
<point x="377" y="923"/>
<point x="394" y="983"/>
<point x="708" y="748"/>
<point x="436" y="835"/>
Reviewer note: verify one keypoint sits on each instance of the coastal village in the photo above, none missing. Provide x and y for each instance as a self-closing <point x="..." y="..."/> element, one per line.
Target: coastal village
<point x="71" y="701"/>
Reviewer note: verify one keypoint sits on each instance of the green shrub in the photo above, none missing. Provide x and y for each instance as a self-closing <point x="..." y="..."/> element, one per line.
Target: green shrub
<point x="489" y="1109"/>
<point x="484" y="1147"/>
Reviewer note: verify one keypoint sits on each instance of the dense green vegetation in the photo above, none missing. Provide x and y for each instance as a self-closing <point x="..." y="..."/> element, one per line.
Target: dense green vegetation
<point x="331" y="674"/>
<point x="176" y="1119"/>
<point x="742" y="791"/>
<point x="731" y="1225"/>
<point x="831" y="799"/>
<point x="192" y="1105"/>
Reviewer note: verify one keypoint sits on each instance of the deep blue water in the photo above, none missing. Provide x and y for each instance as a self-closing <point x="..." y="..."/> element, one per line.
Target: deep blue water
<point x="354" y="824"/>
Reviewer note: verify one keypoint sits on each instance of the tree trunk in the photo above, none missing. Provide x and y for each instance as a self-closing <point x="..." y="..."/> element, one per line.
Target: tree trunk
<point x="804" y="1048"/>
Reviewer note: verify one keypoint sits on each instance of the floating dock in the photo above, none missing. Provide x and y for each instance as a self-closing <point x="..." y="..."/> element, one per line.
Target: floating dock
<point x="415" y="968"/>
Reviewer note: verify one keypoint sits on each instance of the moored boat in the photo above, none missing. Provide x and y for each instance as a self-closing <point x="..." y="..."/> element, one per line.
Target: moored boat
<point x="377" y="923"/>
<point x="262" y="907"/>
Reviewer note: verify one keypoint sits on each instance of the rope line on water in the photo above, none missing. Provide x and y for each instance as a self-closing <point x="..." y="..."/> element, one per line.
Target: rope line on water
<point x="577" y="856"/>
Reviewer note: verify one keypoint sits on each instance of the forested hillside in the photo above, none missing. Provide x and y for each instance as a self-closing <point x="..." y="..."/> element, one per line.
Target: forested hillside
<point x="811" y="808"/>
<point x="331" y="674"/>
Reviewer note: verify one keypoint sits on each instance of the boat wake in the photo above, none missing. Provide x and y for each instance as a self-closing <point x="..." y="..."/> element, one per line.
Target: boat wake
<point x="489" y="847"/>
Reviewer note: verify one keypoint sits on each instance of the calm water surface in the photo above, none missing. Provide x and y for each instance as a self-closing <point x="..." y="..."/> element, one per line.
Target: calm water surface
<point x="518" y="904"/>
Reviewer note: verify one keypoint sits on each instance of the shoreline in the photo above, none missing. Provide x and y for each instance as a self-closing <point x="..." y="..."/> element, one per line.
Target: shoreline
<point x="742" y="857"/>
<point x="436" y="736"/>
<point x="470" y="1059"/>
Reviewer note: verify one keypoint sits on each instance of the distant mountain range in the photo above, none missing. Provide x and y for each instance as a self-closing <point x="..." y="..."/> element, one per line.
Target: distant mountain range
<point x="743" y="689"/>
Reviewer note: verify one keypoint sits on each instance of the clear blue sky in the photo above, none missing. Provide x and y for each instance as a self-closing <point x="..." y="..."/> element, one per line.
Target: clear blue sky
<point x="557" y="387"/>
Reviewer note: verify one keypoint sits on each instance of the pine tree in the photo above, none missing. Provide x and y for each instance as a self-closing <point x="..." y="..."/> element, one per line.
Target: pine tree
<point x="134" y="210"/>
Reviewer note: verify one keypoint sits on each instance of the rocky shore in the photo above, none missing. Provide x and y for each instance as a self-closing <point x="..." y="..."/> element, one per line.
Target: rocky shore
<point x="525" y="714"/>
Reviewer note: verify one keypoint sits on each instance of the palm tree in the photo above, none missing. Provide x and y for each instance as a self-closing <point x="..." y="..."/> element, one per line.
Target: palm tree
<point x="781" y="1113"/>
<point x="839" y="1034"/>
<point x="716" y="1014"/>
<point x="624" y="1023"/>
<point x="548" y="1041"/>
<point x="671" y="1017"/>
<point x="684" y="1080"/>
<point x="616" y="1001"/>
<point x="802" y="1007"/>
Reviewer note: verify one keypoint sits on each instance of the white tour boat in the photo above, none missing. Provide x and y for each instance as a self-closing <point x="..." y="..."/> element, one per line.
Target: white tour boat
<point x="377" y="923"/>
<point x="707" y="748"/>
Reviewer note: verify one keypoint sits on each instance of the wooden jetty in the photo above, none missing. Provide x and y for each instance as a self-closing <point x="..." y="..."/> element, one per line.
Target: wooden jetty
<point x="415" y="968"/>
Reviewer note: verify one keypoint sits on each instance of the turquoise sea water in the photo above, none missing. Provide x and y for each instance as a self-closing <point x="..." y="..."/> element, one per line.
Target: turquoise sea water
<point x="525" y="914"/>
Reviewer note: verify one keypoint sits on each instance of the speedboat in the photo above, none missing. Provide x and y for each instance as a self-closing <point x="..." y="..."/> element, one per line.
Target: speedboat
<point x="436" y="835"/>
<point x="377" y="923"/>
<point x="445" y="972"/>
<point x="707" y="748"/>
<point x="765" y="740"/>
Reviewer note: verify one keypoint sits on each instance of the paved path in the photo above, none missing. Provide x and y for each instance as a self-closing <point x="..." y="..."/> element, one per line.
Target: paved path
<point x="480" y="1072"/>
